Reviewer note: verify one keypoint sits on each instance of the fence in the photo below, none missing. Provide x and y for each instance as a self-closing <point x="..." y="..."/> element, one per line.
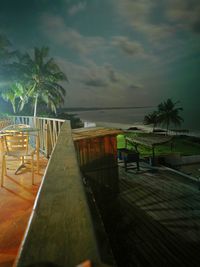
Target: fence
<point x="49" y="130"/>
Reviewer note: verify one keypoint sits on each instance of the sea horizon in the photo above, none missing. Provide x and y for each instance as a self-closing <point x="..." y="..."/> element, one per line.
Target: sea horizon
<point x="130" y="117"/>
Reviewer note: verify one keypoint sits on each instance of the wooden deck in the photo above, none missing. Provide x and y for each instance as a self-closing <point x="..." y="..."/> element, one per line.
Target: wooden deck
<point x="16" y="203"/>
<point x="155" y="220"/>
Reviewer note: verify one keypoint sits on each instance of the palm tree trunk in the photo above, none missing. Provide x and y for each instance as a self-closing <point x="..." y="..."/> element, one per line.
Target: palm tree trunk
<point x="13" y="106"/>
<point x="35" y="106"/>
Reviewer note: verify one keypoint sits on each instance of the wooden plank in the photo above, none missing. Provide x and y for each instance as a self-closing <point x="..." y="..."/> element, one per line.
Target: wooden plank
<point x="149" y="141"/>
<point x="169" y="203"/>
<point x="61" y="230"/>
<point x="161" y="209"/>
<point x="84" y="133"/>
<point x="17" y="199"/>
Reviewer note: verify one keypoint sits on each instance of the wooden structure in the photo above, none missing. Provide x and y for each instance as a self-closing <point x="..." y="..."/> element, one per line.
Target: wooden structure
<point x="49" y="130"/>
<point x="97" y="156"/>
<point x="16" y="140"/>
<point x="150" y="141"/>
<point x="17" y="199"/>
<point x="61" y="231"/>
<point x="154" y="220"/>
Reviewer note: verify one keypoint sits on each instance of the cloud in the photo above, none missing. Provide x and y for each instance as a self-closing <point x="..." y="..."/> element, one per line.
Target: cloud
<point x="141" y="14"/>
<point x="94" y="85"/>
<point x="95" y="82"/>
<point x="55" y="28"/>
<point x="127" y="46"/>
<point x="185" y="13"/>
<point x="74" y="9"/>
<point x="138" y="10"/>
<point x="160" y="20"/>
<point x="134" y="87"/>
<point x="112" y="75"/>
<point x="133" y="48"/>
<point x="100" y="76"/>
<point x="59" y="33"/>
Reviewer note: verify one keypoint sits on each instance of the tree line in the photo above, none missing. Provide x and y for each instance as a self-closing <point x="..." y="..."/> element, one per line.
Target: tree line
<point x="30" y="78"/>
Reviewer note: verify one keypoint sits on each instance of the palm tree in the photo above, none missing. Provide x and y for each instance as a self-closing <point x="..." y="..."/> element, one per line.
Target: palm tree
<point x="152" y="118"/>
<point x="16" y="94"/>
<point x="169" y="113"/>
<point x="42" y="76"/>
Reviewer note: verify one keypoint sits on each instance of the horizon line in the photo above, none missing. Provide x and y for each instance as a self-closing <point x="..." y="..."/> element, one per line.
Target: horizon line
<point x="103" y="108"/>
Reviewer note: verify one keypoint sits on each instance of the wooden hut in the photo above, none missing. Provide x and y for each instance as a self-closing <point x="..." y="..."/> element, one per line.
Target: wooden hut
<point x="97" y="156"/>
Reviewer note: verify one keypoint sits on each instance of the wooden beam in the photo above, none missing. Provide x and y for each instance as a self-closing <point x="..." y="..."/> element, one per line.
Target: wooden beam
<point x="61" y="230"/>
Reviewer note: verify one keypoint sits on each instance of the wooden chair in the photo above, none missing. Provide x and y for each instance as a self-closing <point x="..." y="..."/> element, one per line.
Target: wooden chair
<point x="16" y="145"/>
<point x="130" y="156"/>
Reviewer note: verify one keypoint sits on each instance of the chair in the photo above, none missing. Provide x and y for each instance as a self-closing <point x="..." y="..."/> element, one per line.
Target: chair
<point x="17" y="145"/>
<point x="130" y="156"/>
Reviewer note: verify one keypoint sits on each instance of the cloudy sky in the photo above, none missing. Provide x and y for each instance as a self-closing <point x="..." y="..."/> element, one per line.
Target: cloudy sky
<point x="114" y="52"/>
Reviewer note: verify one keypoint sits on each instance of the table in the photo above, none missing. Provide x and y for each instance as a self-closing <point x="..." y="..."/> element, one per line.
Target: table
<point x="150" y="141"/>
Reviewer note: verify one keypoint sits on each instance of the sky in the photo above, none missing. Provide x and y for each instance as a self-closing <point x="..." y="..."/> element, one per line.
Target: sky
<point x="115" y="52"/>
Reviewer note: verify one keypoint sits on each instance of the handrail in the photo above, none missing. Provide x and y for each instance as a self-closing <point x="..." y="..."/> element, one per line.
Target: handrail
<point x="49" y="129"/>
<point x="46" y="118"/>
<point x="60" y="231"/>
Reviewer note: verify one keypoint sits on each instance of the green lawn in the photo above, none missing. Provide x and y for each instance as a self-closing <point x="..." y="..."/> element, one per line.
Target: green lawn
<point x="182" y="144"/>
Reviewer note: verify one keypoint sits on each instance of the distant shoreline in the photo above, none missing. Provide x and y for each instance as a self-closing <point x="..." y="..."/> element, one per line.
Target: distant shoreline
<point x="124" y="126"/>
<point x="124" y="118"/>
<point x="102" y="108"/>
<point x="140" y="126"/>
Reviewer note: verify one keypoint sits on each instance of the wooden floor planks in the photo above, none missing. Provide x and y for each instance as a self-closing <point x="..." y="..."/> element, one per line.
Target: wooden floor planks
<point x="155" y="221"/>
<point x="16" y="203"/>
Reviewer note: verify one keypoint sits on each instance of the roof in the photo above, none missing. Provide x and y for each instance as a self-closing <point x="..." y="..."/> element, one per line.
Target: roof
<point x="150" y="140"/>
<point x="93" y="132"/>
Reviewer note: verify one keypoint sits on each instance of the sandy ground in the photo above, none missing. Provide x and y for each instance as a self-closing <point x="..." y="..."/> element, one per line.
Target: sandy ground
<point x="140" y="126"/>
<point x="124" y="126"/>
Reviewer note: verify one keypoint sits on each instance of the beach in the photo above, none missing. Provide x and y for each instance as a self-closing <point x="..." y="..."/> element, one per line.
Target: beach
<point x="125" y="126"/>
<point x="125" y="119"/>
<point x="139" y="127"/>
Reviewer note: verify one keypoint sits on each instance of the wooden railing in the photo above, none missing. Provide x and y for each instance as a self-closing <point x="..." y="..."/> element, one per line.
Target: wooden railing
<point x="61" y="231"/>
<point x="49" y="130"/>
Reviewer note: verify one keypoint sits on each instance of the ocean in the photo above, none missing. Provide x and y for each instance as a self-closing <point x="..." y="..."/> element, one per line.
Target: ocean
<point x="135" y="116"/>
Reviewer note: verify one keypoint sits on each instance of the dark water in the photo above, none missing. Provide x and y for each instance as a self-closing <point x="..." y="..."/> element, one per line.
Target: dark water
<point x="136" y="115"/>
<point x="126" y="116"/>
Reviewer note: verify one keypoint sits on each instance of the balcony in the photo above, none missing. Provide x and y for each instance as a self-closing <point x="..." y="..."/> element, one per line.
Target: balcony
<point x="17" y="198"/>
<point x="54" y="221"/>
<point x="89" y="209"/>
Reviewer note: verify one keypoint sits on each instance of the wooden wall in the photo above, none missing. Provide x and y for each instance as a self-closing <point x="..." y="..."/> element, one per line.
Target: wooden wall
<point x="97" y="158"/>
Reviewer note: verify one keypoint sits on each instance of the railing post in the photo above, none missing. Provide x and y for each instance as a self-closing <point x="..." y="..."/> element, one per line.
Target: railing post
<point x="47" y="140"/>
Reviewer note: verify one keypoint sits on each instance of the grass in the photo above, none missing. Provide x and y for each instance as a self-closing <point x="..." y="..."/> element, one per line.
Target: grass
<point x="182" y="145"/>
